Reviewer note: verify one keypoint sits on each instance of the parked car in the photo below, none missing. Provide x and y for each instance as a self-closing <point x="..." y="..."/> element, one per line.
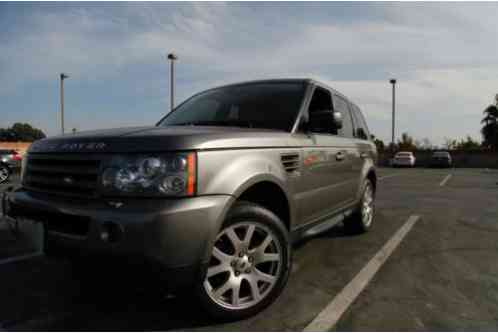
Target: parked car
<point x="215" y="193"/>
<point x="404" y="158"/>
<point x="441" y="159"/>
<point x="10" y="161"/>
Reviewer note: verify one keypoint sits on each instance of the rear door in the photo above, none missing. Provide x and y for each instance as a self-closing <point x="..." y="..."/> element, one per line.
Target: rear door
<point x="363" y="143"/>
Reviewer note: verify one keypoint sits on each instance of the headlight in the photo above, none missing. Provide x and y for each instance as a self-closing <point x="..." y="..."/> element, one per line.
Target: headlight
<point x="151" y="175"/>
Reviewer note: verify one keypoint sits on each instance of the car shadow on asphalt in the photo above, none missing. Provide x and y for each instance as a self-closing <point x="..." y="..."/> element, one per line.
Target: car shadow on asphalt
<point x="129" y="303"/>
<point x="66" y="299"/>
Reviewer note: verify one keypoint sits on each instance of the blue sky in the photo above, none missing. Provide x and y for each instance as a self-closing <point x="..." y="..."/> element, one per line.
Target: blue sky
<point x="444" y="55"/>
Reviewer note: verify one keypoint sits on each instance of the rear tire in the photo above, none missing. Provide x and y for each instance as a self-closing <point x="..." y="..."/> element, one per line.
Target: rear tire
<point x="250" y="264"/>
<point x="362" y="218"/>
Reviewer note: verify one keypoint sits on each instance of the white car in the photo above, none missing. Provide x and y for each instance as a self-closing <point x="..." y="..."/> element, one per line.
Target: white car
<point x="404" y="158"/>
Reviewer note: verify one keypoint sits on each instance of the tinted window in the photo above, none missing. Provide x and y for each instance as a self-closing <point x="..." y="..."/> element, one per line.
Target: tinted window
<point x="321" y="101"/>
<point x="258" y="105"/>
<point x="341" y="105"/>
<point x="361" y="129"/>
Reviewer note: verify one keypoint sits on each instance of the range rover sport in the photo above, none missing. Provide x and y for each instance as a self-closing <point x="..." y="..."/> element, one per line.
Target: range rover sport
<point x="215" y="193"/>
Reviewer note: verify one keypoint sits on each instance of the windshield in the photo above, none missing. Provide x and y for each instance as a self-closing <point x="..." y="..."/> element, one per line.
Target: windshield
<point x="254" y="105"/>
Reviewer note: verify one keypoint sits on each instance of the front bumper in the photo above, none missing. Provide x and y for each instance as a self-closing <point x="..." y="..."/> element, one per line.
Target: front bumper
<point x="175" y="234"/>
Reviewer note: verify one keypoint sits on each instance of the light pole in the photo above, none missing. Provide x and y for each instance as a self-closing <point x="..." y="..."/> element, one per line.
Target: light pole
<point x="62" y="77"/>
<point x="172" y="57"/>
<point x="393" y="82"/>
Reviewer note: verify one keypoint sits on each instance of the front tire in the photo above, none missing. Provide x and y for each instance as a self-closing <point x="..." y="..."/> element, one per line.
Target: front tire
<point x="250" y="263"/>
<point x="4" y="173"/>
<point x="362" y="218"/>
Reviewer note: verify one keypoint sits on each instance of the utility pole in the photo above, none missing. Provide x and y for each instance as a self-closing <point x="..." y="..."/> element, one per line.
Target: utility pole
<point x="172" y="57"/>
<point x="393" y="82"/>
<point x="62" y="77"/>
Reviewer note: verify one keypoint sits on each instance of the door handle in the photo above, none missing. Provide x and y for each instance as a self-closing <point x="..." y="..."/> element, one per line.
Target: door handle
<point x="363" y="155"/>
<point x="340" y="156"/>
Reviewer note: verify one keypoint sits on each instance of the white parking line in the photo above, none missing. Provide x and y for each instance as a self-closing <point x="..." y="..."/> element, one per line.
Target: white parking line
<point x="327" y="319"/>
<point x="445" y="180"/>
<point x="388" y="176"/>
<point x="20" y="258"/>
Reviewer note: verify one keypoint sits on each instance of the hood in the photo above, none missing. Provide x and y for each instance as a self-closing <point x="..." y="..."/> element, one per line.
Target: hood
<point x="156" y="139"/>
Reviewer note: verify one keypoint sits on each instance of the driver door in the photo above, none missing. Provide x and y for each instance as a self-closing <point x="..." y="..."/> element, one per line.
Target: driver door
<point x="325" y="165"/>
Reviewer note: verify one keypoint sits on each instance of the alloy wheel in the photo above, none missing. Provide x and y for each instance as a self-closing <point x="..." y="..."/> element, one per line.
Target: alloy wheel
<point x="246" y="264"/>
<point x="367" y="208"/>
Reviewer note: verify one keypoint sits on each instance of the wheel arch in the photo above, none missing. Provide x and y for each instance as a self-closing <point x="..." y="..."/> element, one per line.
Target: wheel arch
<point x="369" y="172"/>
<point x="270" y="195"/>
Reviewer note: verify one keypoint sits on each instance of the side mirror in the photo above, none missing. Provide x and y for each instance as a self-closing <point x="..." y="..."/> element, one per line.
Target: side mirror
<point x="325" y="121"/>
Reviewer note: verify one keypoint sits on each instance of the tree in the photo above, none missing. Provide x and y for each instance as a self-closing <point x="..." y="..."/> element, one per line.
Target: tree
<point x="21" y="132"/>
<point x="450" y="144"/>
<point x="425" y="144"/>
<point x="467" y="144"/>
<point x="489" y="130"/>
<point x="406" y="143"/>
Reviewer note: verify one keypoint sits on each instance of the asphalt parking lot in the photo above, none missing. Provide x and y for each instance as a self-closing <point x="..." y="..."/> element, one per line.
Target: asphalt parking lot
<point x="442" y="276"/>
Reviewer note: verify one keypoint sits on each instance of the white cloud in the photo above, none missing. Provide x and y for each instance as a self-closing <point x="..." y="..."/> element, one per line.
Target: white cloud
<point x="443" y="54"/>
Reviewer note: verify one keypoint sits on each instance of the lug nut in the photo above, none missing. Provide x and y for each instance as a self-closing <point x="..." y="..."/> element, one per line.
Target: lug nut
<point x="232" y="263"/>
<point x="248" y="271"/>
<point x="251" y="259"/>
<point x="237" y="273"/>
<point x="241" y="254"/>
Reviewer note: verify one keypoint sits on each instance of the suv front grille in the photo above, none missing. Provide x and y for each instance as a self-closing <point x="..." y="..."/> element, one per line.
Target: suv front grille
<point x="71" y="175"/>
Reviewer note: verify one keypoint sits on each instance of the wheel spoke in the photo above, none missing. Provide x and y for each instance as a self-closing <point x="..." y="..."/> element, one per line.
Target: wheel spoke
<point x="233" y="238"/>
<point x="221" y="256"/>
<point x="249" y="233"/>
<point x="266" y="257"/>
<point x="265" y="244"/>
<point x="214" y="270"/>
<point x="253" y="283"/>
<point x="236" y="294"/>
<point x="259" y="253"/>
<point x="260" y="276"/>
<point x="223" y="289"/>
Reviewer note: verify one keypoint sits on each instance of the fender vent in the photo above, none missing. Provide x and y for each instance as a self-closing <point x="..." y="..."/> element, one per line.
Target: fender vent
<point x="290" y="162"/>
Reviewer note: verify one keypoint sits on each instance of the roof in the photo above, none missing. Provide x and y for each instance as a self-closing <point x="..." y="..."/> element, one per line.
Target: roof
<point x="283" y="80"/>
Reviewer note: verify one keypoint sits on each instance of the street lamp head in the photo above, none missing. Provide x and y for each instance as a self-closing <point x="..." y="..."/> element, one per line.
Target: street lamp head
<point x="392" y="81"/>
<point x="64" y="76"/>
<point x="172" y="56"/>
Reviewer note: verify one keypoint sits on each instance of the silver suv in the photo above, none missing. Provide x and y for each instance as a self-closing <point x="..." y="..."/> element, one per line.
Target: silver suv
<point x="214" y="194"/>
